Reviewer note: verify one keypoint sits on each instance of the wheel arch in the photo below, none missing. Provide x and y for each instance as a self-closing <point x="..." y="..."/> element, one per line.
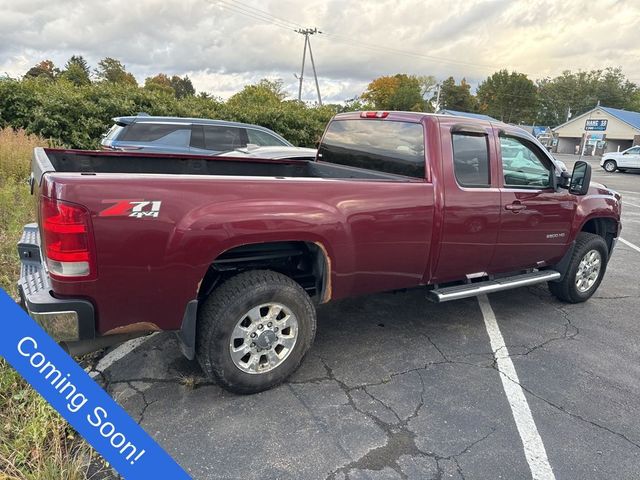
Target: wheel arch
<point x="606" y="227"/>
<point x="306" y="262"/>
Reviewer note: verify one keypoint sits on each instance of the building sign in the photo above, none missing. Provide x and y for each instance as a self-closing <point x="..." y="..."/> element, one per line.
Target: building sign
<point x="593" y="138"/>
<point x="596" y="125"/>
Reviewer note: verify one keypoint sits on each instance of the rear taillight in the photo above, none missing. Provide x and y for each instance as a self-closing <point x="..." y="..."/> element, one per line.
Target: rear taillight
<point x="67" y="240"/>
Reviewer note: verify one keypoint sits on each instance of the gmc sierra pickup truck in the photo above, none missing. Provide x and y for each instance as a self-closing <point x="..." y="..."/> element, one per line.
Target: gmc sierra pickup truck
<point x="233" y="254"/>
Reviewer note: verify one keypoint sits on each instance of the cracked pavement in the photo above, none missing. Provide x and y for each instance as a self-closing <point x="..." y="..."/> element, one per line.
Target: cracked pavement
<point x="396" y="387"/>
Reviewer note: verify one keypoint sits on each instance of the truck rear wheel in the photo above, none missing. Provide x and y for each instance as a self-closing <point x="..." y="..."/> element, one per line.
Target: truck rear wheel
<point x="586" y="269"/>
<point x="254" y="331"/>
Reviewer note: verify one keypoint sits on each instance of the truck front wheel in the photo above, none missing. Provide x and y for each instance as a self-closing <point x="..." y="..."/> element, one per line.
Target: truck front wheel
<point x="254" y="330"/>
<point x="586" y="269"/>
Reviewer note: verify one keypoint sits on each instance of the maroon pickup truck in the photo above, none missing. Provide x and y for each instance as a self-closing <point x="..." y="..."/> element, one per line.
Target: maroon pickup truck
<point x="233" y="254"/>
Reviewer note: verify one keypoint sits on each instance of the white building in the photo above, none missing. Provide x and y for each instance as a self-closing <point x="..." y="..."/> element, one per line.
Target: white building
<point x="598" y="131"/>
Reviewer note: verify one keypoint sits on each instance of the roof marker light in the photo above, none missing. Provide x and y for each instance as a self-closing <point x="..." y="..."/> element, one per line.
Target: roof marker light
<point x="374" y="114"/>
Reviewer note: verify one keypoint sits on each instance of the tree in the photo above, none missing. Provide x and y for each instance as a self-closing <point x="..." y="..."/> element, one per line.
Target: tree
<point x="613" y="89"/>
<point x="509" y="97"/>
<point x="428" y="84"/>
<point x="182" y="87"/>
<point x="579" y="92"/>
<point x="380" y="91"/>
<point x="407" y="95"/>
<point x="45" y="69"/>
<point x="457" y="97"/>
<point x="112" y="70"/>
<point x="159" y="83"/>
<point x="354" y="104"/>
<point x="397" y="92"/>
<point x="76" y="70"/>
<point x="265" y="92"/>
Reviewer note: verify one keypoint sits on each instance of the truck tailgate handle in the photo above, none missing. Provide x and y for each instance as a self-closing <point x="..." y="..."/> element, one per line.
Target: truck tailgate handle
<point x="515" y="207"/>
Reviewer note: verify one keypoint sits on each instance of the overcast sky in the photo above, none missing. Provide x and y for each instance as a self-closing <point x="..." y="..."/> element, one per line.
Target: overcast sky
<point x="225" y="44"/>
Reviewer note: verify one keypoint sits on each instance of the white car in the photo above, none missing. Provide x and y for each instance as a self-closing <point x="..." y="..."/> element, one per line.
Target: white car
<point x="630" y="158"/>
<point x="273" y="153"/>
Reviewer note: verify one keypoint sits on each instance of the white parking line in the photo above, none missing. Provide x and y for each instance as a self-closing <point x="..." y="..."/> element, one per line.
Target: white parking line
<point x="534" y="449"/>
<point x="121" y="351"/>
<point x="624" y="202"/>
<point x="629" y="244"/>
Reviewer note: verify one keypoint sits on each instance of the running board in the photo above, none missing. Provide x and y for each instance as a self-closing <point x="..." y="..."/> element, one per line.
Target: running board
<point x="489" y="286"/>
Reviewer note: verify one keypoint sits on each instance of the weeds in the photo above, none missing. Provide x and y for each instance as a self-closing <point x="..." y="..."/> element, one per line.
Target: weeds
<point x="35" y="442"/>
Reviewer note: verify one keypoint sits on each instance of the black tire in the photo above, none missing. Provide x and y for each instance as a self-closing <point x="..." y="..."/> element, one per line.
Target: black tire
<point x="567" y="289"/>
<point x="610" y="166"/>
<point x="227" y="305"/>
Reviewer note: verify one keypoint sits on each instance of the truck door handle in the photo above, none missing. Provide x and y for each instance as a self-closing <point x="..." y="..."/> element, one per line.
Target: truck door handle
<point x="515" y="207"/>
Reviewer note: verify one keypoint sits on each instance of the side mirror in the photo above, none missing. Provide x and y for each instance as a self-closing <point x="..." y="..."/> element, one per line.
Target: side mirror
<point x="580" y="178"/>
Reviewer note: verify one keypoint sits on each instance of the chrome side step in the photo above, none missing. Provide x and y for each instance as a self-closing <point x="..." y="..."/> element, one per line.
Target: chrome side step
<point x="489" y="286"/>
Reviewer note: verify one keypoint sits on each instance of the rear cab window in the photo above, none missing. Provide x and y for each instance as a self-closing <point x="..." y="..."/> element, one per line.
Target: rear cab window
<point x="471" y="159"/>
<point x="388" y="146"/>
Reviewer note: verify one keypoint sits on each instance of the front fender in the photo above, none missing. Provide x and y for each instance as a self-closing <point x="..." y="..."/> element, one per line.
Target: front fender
<point x="599" y="202"/>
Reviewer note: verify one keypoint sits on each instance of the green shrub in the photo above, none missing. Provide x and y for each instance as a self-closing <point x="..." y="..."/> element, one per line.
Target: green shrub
<point x="77" y="115"/>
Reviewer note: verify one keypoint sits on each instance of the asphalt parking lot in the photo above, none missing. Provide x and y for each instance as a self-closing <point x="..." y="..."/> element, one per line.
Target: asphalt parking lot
<point x="398" y="387"/>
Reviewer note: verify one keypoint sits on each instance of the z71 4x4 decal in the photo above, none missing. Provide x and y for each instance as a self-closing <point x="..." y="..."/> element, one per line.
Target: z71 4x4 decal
<point x="132" y="208"/>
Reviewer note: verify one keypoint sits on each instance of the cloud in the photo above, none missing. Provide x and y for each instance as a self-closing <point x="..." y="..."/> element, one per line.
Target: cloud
<point x="225" y="44"/>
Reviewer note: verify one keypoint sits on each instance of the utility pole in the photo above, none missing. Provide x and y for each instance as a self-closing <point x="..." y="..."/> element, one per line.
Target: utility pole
<point x="307" y="43"/>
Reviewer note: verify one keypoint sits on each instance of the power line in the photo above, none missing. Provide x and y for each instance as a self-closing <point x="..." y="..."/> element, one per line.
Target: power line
<point x="348" y="40"/>
<point x="256" y="16"/>
<point x="381" y="48"/>
<point x="268" y="14"/>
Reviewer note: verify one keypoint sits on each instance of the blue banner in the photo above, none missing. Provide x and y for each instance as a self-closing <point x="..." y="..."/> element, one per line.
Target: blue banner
<point x="80" y="400"/>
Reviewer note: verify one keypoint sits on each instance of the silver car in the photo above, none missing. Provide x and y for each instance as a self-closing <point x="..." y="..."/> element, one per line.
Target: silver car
<point x="198" y="136"/>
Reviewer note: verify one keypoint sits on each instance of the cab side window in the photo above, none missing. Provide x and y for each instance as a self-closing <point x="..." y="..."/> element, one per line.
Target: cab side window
<point x="471" y="159"/>
<point x="523" y="166"/>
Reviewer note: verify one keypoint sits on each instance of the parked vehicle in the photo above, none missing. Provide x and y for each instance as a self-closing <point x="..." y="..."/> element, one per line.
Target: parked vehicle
<point x="144" y="133"/>
<point x="621" y="161"/>
<point x="234" y="254"/>
<point x="276" y="153"/>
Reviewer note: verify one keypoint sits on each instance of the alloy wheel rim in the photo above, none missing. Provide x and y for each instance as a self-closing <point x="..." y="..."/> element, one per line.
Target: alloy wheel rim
<point x="263" y="338"/>
<point x="609" y="167"/>
<point x="588" y="270"/>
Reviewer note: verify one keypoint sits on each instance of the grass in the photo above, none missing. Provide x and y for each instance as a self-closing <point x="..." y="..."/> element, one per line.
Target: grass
<point x="35" y="441"/>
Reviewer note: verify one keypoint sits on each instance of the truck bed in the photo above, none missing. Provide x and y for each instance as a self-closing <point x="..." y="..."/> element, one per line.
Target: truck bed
<point x="117" y="162"/>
